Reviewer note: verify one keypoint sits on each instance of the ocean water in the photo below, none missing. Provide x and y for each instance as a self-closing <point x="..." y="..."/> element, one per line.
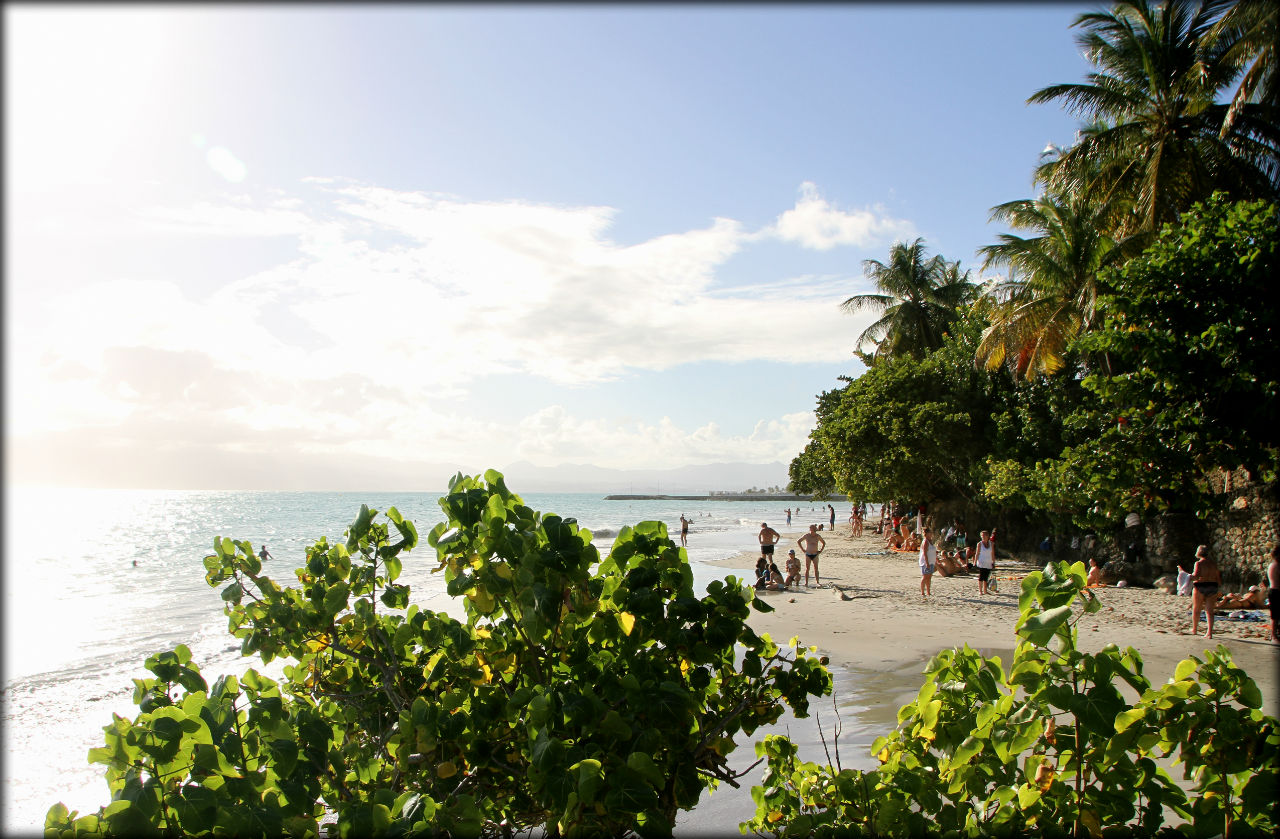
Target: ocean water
<point x="97" y="580"/>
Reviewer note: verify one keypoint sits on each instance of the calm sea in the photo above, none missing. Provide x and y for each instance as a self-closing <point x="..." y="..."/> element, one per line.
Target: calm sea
<point x="97" y="580"/>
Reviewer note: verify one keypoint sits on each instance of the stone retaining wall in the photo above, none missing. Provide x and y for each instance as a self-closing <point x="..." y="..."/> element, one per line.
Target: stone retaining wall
<point x="1240" y="533"/>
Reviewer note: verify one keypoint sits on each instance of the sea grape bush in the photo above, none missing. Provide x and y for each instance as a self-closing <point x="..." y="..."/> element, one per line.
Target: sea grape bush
<point x="582" y="695"/>
<point x="1050" y="747"/>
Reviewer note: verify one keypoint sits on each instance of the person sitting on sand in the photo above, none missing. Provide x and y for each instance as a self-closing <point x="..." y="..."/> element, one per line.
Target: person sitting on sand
<point x="1254" y="598"/>
<point x="1095" y="573"/>
<point x="893" y="541"/>
<point x="793" y="570"/>
<point x="762" y="572"/>
<point x="912" y="543"/>
<point x="950" y="563"/>
<point x="776" y="583"/>
<point x="1205" y="579"/>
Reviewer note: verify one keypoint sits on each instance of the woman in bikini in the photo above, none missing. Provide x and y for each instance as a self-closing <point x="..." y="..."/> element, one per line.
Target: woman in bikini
<point x="1205" y="580"/>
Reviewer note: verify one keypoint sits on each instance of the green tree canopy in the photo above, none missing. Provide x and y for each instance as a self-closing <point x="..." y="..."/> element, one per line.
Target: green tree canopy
<point x="1194" y="342"/>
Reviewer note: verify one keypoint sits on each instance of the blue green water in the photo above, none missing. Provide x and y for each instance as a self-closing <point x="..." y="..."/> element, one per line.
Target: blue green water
<point x="80" y="616"/>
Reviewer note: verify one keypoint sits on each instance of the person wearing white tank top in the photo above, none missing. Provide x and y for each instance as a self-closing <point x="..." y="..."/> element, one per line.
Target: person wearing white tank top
<point x="985" y="559"/>
<point x="928" y="563"/>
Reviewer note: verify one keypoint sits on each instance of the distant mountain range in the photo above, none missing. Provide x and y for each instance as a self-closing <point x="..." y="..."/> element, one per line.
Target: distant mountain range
<point x="686" y="480"/>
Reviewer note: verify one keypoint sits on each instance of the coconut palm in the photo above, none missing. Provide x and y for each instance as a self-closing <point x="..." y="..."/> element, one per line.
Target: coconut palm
<point x="917" y="300"/>
<point x="1249" y="34"/>
<point x="1050" y="294"/>
<point x="1156" y="139"/>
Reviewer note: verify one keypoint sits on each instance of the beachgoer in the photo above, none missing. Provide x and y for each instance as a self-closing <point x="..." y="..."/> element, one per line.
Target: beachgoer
<point x="960" y="534"/>
<point x="1205" y="580"/>
<point x="1095" y="573"/>
<point x="684" y="530"/>
<point x="856" y="521"/>
<point x="762" y="572"/>
<point x="264" y="554"/>
<point x="986" y="558"/>
<point x="776" y="583"/>
<point x="832" y="528"/>
<point x="788" y="517"/>
<point x="812" y="544"/>
<point x="1254" y="598"/>
<point x="793" y="569"/>
<point x="928" y="564"/>
<point x="1273" y="592"/>
<point x="911" y="543"/>
<point x="768" y="538"/>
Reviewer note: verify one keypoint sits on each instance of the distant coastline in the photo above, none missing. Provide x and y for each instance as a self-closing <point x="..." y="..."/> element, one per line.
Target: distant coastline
<point x="726" y="496"/>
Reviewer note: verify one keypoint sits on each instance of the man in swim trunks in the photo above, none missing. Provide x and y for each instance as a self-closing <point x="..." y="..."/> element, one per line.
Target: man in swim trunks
<point x="768" y="538"/>
<point x="1205" y="580"/>
<point x="684" y="530"/>
<point x="812" y="544"/>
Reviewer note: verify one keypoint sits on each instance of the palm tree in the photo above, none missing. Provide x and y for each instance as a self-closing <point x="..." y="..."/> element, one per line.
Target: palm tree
<point x="1052" y="289"/>
<point x="917" y="301"/>
<point x="1155" y="141"/>
<point x="1249" y="35"/>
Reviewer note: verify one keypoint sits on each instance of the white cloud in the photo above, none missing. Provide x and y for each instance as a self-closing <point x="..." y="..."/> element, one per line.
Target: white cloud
<point x="360" y="342"/>
<point x="816" y="223"/>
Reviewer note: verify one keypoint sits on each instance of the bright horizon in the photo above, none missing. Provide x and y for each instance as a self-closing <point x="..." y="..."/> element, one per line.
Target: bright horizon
<point x="362" y="247"/>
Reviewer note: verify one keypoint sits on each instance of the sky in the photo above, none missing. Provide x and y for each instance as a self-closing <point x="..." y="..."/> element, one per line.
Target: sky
<point x="362" y="247"/>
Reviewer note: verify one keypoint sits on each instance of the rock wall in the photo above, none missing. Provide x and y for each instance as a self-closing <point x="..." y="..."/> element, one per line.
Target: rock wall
<point x="1240" y="532"/>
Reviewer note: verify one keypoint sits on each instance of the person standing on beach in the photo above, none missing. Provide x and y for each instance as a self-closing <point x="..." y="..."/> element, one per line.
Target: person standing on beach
<point x="1205" y="580"/>
<point x="768" y="538"/>
<point x="1273" y="593"/>
<point x="812" y="544"/>
<point x="832" y="527"/>
<point x="985" y="558"/>
<point x="928" y="562"/>
<point x="684" y="530"/>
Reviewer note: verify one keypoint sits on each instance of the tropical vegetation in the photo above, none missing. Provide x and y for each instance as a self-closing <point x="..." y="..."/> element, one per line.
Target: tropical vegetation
<point x="1050" y="746"/>
<point x="583" y="695"/>
<point x="1130" y="317"/>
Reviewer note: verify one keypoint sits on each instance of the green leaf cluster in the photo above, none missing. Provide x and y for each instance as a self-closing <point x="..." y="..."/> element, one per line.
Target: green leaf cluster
<point x="584" y="695"/>
<point x="1051" y="746"/>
